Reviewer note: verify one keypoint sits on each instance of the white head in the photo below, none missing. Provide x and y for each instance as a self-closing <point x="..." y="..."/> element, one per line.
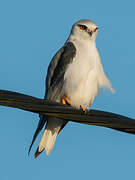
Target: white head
<point x="85" y="30"/>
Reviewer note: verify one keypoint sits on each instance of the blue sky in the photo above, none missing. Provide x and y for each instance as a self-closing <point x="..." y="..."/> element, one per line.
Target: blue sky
<point x="30" y="33"/>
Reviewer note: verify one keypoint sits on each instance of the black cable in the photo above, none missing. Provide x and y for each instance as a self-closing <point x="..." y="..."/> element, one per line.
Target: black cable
<point x="45" y="107"/>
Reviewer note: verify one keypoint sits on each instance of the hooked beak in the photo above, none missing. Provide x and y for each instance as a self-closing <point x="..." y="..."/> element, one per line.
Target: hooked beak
<point x="91" y="32"/>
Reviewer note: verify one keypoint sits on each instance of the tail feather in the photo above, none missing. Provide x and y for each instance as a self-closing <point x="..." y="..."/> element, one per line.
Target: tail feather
<point x="49" y="136"/>
<point x="37" y="153"/>
<point x="39" y="128"/>
<point x="50" y="142"/>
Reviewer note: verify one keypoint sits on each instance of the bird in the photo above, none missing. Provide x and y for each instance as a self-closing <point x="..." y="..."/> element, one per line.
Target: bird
<point x="74" y="77"/>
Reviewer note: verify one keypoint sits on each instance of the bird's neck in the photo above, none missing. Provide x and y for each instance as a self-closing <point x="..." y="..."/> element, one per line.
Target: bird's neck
<point x="81" y="42"/>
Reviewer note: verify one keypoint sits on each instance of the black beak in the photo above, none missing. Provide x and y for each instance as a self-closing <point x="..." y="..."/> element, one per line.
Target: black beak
<point x="90" y="33"/>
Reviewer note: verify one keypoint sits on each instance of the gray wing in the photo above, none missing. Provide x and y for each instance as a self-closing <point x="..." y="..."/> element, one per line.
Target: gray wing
<point x="55" y="78"/>
<point x="56" y="70"/>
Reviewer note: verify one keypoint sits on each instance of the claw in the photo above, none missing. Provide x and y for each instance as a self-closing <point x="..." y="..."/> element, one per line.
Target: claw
<point x="63" y="101"/>
<point x="83" y="108"/>
<point x="66" y="100"/>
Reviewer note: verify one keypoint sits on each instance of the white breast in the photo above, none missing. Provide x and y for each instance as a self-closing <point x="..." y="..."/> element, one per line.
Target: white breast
<point x="81" y="77"/>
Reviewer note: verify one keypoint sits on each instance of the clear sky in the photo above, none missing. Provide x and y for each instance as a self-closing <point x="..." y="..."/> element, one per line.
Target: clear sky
<point x="30" y="33"/>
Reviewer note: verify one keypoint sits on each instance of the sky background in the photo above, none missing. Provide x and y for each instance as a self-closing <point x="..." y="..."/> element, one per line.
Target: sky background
<point x="30" y="33"/>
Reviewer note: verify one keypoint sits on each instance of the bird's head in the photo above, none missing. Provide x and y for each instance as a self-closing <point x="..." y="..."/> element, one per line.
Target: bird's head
<point x="85" y="29"/>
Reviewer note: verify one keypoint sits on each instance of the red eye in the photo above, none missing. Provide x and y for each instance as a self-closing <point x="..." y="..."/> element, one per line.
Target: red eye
<point x="83" y="27"/>
<point x="95" y="29"/>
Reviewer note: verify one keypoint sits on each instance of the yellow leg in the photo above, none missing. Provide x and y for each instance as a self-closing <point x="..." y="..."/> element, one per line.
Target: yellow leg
<point x="66" y="100"/>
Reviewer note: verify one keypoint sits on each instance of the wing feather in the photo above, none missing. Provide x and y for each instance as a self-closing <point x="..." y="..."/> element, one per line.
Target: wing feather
<point x="55" y="78"/>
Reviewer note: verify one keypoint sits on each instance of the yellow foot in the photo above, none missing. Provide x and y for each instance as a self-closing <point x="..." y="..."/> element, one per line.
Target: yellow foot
<point x="83" y="108"/>
<point x="66" y="100"/>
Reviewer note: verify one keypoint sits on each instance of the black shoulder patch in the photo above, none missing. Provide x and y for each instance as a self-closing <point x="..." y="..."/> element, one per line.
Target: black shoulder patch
<point x="65" y="59"/>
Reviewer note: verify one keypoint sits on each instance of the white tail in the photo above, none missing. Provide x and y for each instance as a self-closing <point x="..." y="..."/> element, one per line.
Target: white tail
<point x="49" y="136"/>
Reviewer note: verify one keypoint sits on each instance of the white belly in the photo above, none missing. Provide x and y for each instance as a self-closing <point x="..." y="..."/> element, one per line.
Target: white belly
<point x="80" y="82"/>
